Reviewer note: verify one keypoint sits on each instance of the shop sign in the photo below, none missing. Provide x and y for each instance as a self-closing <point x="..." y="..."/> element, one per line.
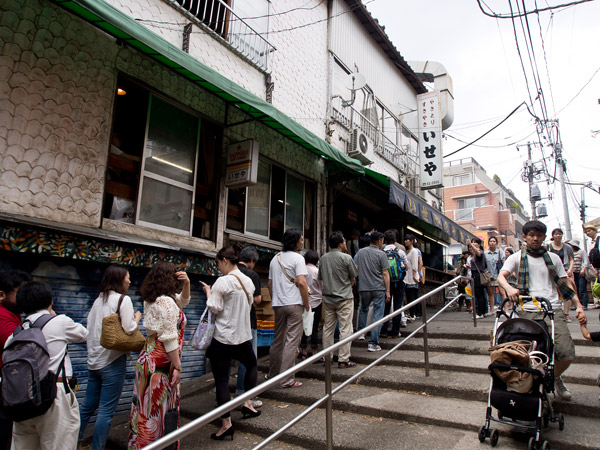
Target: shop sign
<point x="352" y="216"/>
<point x="242" y="164"/>
<point x="430" y="140"/>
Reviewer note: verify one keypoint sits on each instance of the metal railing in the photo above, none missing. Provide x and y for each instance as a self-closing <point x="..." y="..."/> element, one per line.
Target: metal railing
<point x="330" y="391"/>
<point x="218" y="19"/>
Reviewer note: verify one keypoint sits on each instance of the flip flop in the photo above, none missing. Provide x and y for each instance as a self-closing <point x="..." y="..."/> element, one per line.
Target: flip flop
<point x="294" y="385"/>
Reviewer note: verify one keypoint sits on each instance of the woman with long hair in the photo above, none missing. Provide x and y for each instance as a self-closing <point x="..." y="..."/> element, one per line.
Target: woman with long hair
<point x="230" y="299"/>
<point x="158" y="368"/>
<point x="106" y="368"/>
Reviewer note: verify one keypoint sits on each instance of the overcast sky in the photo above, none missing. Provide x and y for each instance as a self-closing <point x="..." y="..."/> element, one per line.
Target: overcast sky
<point x="481" y="56"/>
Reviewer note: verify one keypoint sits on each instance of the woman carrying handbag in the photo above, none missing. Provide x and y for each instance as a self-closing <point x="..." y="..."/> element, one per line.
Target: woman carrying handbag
<point x="229" y="299"/>
<point x="106" y="367"/>
<point x="478" y="271"/>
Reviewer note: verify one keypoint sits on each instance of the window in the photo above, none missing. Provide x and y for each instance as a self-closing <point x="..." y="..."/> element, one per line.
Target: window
<point x="267" y="210"/>
<point x="465" y="207"/>
<point x="460" y="180"/>
<point x="161" y="168"/>
<point x="212" y="13"/>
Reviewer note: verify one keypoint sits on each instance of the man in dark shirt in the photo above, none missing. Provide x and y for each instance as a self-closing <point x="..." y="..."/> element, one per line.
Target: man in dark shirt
<point x="248" y="259"/>
<point x="10" y="318"/>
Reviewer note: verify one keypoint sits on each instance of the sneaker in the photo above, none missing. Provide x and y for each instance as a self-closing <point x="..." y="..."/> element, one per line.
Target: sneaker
<point x="361" y="337"/>
<point x="562" y="390"/>
<point x="373" y="348"/>
<point x="480" y="316"/>
<point x="403" y="324"/>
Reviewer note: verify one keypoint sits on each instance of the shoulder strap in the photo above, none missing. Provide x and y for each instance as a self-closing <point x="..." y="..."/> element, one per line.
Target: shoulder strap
<point x="42" y="320"/>
<point x="118" y="311"/>
<point x="283" y="269"/>
<point x="243" y="288"/>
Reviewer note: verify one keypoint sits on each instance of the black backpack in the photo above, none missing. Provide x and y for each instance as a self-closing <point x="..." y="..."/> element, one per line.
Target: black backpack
<point x="28" y="386"/>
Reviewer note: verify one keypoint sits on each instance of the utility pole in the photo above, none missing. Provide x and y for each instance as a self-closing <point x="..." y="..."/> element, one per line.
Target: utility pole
<point x="530" y="180"/>
<point x="561" y="167"/>
<point x="582" y="212"/>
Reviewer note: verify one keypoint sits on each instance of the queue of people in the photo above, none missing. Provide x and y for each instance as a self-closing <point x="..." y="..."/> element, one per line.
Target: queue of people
<point x="297" y="284"/>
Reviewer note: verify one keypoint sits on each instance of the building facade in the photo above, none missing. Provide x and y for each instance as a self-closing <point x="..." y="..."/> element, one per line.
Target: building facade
<point x="481" y="204"/>
<point x="119" y="120"/>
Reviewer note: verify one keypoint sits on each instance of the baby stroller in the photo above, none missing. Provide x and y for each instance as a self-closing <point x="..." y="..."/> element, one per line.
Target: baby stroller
<point x="530" y="409"/>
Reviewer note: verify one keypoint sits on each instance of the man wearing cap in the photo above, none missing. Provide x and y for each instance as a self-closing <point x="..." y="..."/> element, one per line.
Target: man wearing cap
<point x="594" y="255"/>
<point x="374" y="286"/>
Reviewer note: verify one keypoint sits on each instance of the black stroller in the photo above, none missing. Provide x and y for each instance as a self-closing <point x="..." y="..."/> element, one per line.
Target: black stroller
<point x="533" y="409"/>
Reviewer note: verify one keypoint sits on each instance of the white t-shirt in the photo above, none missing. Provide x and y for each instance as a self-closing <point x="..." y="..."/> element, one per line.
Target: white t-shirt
<point x="285" y="292"/>
<point x="541" y="283"/>
<point x="412" y="259"/>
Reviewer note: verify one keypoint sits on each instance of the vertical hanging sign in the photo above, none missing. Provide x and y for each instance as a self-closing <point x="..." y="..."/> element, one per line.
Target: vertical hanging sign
<point x="430" y="139"/>
<point x="242" y="164"/>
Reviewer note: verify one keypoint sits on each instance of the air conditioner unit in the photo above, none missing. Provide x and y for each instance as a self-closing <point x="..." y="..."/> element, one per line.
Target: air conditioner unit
<point x="361" y="147"/>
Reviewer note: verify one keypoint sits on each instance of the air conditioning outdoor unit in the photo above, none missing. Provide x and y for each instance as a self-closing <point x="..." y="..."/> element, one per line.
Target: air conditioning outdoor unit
<point x="361" y="147"/>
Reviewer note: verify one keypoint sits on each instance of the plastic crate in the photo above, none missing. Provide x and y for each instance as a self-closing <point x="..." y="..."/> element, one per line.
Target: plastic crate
<point x="264" y="338"/>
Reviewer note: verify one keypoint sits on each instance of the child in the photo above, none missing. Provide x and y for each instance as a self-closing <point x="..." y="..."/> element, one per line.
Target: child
<point x="594" y="336"/>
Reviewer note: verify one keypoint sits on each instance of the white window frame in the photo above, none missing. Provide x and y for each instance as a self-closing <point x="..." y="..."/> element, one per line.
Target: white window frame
<point x="163" y="179"/>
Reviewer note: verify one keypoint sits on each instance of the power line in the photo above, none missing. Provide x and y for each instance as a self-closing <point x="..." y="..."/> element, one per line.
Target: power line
<point x="487" y="132"/>
<point x="525" y="13"/>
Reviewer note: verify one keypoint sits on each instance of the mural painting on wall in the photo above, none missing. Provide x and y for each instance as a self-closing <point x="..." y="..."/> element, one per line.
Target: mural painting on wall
<point x="76" y="247"/>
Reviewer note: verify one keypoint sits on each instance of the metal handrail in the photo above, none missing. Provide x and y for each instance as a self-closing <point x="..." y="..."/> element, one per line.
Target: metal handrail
<point x="325" y="353"/>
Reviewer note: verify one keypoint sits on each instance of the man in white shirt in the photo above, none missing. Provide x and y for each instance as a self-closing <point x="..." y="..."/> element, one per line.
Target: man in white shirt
<point x="58" y="427"/>
<point x="542" y="274"/>
<point x="289" y="296"/>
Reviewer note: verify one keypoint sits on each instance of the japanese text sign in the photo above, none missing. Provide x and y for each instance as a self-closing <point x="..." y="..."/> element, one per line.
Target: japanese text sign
<point x="242" y="164"/>
<point x="430" y="139"/>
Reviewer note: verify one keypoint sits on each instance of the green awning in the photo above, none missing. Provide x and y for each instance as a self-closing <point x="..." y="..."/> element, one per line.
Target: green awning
<point x="121" y="26"/>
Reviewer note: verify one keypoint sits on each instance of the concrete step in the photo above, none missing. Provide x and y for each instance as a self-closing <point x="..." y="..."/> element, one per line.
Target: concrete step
<point x="450" y="384"/>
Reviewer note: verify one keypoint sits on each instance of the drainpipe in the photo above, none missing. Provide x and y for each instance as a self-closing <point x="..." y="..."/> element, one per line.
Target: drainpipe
<point x="436" y="72"/>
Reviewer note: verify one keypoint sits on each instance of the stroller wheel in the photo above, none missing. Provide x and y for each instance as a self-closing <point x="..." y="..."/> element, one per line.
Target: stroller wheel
<point x="561" y="422"/>
<point x="546" y="445"/>
<point x="482" y="433"/>
<point x="494" y="438"/>
<point x="531" y="445"/>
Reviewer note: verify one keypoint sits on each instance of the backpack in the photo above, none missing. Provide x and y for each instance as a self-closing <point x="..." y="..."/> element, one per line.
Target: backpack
<point x="28" y="386"/>
<point x="594" y="255"/>
<point x="397" y="266"/>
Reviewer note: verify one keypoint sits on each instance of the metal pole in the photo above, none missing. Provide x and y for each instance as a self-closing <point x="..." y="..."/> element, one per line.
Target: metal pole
<point x="583" y="218"/>
<point x="425" y="340"/>
<point x="329" y="403"/>
<point x="563" y="189"/>
<point x="530" y="178"/>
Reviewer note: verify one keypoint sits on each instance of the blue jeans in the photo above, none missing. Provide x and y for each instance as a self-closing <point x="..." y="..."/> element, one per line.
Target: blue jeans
<point x="582" y="292"/>
<point x="102" y="393"/>
<point x="378" y="299"/>
<point x="241" y="373"/>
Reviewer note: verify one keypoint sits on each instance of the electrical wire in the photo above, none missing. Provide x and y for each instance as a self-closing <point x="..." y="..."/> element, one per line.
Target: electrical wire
<point x="487" y="132"/>
<point x="525" y="13"/>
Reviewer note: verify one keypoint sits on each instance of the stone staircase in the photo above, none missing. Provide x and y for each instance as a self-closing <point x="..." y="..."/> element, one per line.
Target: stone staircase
<point x="395" y="406"/>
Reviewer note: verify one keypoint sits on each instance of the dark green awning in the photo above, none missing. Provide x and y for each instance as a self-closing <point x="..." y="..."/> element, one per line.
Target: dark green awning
<point x="121" y="26"/>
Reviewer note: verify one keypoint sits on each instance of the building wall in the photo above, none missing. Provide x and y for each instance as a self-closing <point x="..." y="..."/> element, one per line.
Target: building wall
<point x="56" y="85"/>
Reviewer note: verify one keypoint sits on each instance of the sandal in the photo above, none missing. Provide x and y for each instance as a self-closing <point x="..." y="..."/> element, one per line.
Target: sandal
<point x="295" y="384"/>
<point x="303" y="356"/>
<point x="346" y="364"/>
<point x="567" y="318"/>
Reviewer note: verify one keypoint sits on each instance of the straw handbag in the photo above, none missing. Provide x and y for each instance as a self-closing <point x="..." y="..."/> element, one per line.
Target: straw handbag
<point x="114" y="337"/>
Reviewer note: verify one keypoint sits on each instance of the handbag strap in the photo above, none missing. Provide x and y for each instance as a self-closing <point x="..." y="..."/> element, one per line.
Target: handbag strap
<point x="242" y="285"/>
<point x="119" y="307"/>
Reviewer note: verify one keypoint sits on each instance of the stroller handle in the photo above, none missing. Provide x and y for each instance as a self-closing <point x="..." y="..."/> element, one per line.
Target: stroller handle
<point x="544" y="303"/>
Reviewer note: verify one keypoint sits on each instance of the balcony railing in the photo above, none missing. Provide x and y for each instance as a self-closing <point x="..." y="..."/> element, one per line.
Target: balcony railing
<point x="217" y="18"/>
<point x="399" y="156"/>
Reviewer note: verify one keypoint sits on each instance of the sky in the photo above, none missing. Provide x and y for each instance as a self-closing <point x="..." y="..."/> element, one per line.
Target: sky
<point x="480" y="54"/>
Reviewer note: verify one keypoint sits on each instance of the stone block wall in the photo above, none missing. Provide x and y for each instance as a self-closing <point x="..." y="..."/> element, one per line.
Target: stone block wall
<point x="56" y="83"/>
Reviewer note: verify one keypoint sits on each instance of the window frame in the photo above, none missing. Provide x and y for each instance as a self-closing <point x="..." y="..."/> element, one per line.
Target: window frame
<point x="160" y="178"/>
<point x="260" y="237"/>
